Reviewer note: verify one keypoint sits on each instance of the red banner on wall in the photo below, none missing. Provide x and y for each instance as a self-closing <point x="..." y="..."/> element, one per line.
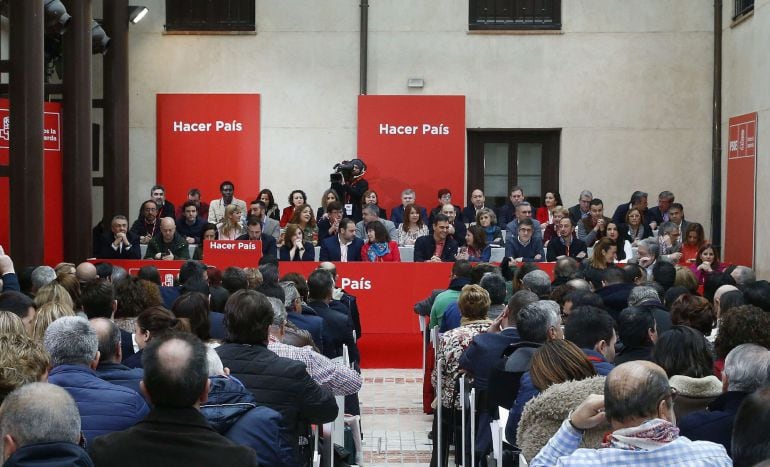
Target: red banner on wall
<point x="53" y="248"/>
<point x="413" y="142"/>
<point x="741" y="190"/>
<point x="205" y="139"/>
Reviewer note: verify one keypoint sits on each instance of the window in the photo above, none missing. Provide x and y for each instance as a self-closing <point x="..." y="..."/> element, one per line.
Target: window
<point x="499" y="160"/>
<point x="742" y="7"/>
<point x="515" y="14"/>
<point x="210" y="15"/>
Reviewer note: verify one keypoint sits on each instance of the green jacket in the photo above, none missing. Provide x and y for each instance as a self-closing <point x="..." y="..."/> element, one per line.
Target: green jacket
<point x="178" y="247"/>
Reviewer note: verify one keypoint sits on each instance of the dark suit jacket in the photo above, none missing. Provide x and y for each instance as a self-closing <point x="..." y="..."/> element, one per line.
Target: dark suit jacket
<point x="425" y="246"/>
<point x="330" y="249"/>
<point x="397" y="214"/>
<point x="469" y="214"/>
<point x="104" y="247"/>
<point x="716" y="423"/>
<point x="268" y="244"/>
<point x="311" y="323"/>
<point x="484" y="350"/>
<point x="338" y="330"/>
<point x="575" y="214"/>
<point x="308" y="255"/>
<point x="556" y="248"/>
<point x="506" y="214"/>
<point x="323" y="230"/>
<point x="170" y="437"/>
<point x="654" y="215"/>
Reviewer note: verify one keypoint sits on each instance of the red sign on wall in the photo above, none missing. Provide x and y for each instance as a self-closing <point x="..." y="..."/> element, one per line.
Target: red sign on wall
<point x="205" y="139"/>
<point x="226" y="253"/>
<point x="53" y="249"/>
<point x="413" y="142"/>
<point x="741" y="190"/>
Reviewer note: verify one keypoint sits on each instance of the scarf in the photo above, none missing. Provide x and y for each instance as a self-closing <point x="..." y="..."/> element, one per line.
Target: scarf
<point x="650" y="435"/>
<point x="377" y="250"/>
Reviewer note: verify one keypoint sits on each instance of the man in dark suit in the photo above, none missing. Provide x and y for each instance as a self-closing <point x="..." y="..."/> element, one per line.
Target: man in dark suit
<point x="174" y="433"/>
<point x="329" y="226"/>
<point x="302" y="315"/>
<point x="119" y="243"/>
<point x="567" y="244"/>
<point x="426" y="247"/>
<point x="254" y="232"/>
<point x="659" y="214"/>
<point x="638" y="201"/>
<point x="332" y="247"/>
<point x="477" y="203"/>
<point x="582" y="209"/>
<point x="408" y="196"/>
<point x="338" y="327"/>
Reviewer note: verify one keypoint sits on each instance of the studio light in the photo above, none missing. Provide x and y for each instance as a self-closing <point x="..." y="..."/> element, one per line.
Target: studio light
<point x="100" y="41"/>
<point x="56" y="17"/>
<point x="137" y="13"/>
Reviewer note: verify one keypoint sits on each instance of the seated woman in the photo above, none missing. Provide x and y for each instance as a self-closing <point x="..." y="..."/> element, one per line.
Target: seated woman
<point x="329" y="196"/>
<point x="412" y="228"/>
<point x="370" y="199"/>
<point x="693" y="240"/>
<point x="684" y="354"/>
<point x="487" y="219"/>
<point x="378" y="247"/>
<point x="618" y="237"/>
<point x="294" y="248"/>
<point x="209" y="232"/>
<point x="603" y="257"/>
<point x="271" y="207"/>
<point x="152" y="323"/>
<point x="296" y="198"/>
<point x="545" y="212"/>
<point x="549" y="232"/>
<point x="706" y="263"/>
<point x="303" y="217"/>
<point x="231" y="228"/>
<point x="635" y="228"/>
<point x="476" y="248"/>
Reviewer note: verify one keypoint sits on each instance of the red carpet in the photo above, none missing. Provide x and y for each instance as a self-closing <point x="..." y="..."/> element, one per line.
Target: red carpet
<point x="391" y="350"/>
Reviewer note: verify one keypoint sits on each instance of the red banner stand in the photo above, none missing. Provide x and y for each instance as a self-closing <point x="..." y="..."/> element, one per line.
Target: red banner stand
<point x="740" y="196"/>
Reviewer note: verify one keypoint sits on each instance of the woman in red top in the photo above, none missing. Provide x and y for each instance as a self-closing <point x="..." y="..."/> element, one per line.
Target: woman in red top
<point x="545" y="213"/>
<point x="296" y="198"/>
<point x="693" y="241"/>
<point x="379" y="248"/>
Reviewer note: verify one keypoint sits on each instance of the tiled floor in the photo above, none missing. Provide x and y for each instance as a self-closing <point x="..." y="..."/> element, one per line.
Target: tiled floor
<point x="395" y="429"/>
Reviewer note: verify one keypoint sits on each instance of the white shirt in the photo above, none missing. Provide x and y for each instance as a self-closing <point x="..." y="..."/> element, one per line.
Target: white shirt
<point x="344" y="249"/>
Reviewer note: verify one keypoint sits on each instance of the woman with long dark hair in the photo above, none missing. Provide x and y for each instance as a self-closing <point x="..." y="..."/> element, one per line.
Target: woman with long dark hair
<point x="271" y="208"/>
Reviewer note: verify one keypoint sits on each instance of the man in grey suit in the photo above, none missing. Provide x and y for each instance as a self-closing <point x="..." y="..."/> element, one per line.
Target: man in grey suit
<point x="371" y="214"/>
<point x="524" y="210"/>
<point x="269" y="226"/>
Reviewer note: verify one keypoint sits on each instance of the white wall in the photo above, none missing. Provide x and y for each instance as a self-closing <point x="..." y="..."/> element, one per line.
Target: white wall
<point x="746" y="89"/>
<point x="628" y="82"/>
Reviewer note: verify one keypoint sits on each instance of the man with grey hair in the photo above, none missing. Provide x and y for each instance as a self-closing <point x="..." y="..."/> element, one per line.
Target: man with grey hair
<point x="745" y="371"/>
<point x="647" y="254"/>
<point x="638" y="201"/>
<point x="648" y="298"/>
<point x="657" y="215"/>
<point x="408" y="196"/>
<point x="539" y="282"/>
<point x="111" y="354"/>
<point x="302" y="315"/>
<point x="104" y="407"/>
<point x="523" y="210"/>
<point x="583" y="208"/>
<point x="338" y="378"/>
<point x="40" y="425"/>
<point x="371" y="213"/>
<point x="669" y="237"/>
<point x="42" y="276"/>
<point x="743" y="275"/>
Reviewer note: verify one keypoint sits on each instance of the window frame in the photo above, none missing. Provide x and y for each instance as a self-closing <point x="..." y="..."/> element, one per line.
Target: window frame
<point x="245" y="22"/>
<point x="475" y="23"/>
<point x="742" y="8"/>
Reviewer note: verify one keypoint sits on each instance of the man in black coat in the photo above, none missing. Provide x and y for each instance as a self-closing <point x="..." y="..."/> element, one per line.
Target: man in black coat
<point x="254" y="232"/>
<point x="174" y="433"/>
<point x="119" y="243"/>
<point x="567" y="244"/>
<point x="615" y="291"/>
<point x="426" y="247"/>
<point x="338" y="326"/>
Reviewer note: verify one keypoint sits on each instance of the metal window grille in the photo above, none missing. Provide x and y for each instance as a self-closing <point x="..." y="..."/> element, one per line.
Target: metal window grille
<point x="515" y="14"/>
<point x="210" y="15"/>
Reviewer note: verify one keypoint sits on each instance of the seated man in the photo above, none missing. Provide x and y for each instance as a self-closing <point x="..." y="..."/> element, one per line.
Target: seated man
<point x="165" y="207"/>
<point x="647" y="255"/>
<point x="276" y="382"/>
<point x="582" y="209"/>
<point x="371" y="214"/>
<point x="638" y="332"/>
<point x="306" y="321"/>
<point x="338" y="326"/>
<point x="594" y="227"/>
<point x="669" y="241"/>
<point x="567" y="244"/>
<point x="254" y="232"/>
<point x="750" y="440"/>
<point x="269" y="226"/>
<point x="524" y="211"/>
<point x="477" y="203"/>
<point x="676" y="215"/>
<point x="104" y="407"/>
<point x="408" y="196"/>
<point x="345" y="246"/>
<point x="457" y="229"/>
<point x="507" y="213"/>
<point x="659" y="214"/>
<point x="169" y="245"/>
<point x="194" y="195"/>
<point x="217" y="206"/>
<point x="174" y="433"/>
<point x="638" y="201"/>
<point x="147" y="226"/>
<point x="190" y="225"/>
<point x="329" y="226"/>
<point x="40" y="425"/>
<point x="22" y="361"/>
<point x="438" y="247"/>
<point x="119" y="243"/>
<point x="638" y="403"/>
<point x="523" y="247"/>
<point x="110" y="355"/>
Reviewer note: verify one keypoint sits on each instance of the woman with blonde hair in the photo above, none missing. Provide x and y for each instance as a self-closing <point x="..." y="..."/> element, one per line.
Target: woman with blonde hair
<point x="231" y="227"/>
<point x="53" y="293"/>
<point x="10" y="323"/>
<point x="603" y="257"/>
<point x="47" y="314"/>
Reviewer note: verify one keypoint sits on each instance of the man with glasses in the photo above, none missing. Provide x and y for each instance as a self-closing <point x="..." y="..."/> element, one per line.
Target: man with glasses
<point x="444" y="197"/>
<point x="148" y="224"/>
<point x="165" y="207"/>
<point x="638" y="405"/>
<point x="523" y="247"/>
<point x="583" y="208"/>
<point x="524" y="211"/>
<point x="507" y="213"/>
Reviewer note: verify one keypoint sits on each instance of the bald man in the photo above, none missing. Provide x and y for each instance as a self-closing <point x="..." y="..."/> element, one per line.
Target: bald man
<point x="85" y="272"/>
<point x="638" y="403"/>
<point x="170" y="245"/>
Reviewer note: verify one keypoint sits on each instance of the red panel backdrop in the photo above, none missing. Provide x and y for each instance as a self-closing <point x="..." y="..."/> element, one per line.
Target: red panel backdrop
<point x="741" y="190"/>
<point x="53" y="249"/>
<point x="413" y="141"/>
<point x="204" y="139"/>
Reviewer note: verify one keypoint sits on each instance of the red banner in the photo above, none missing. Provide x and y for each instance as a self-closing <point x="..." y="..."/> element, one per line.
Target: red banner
<point x="413" y="142"/>
<point x="741" y="190"/>
<point x="205" y="139"/>
<point x="53" y="248"/>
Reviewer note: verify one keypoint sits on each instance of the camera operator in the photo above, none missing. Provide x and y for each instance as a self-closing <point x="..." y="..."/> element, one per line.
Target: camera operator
<point x="348" y="181"/>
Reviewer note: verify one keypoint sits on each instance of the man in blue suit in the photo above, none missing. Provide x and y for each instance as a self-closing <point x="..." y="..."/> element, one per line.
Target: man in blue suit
<point x="332" y="247"/>
<point x="254" y="232"/>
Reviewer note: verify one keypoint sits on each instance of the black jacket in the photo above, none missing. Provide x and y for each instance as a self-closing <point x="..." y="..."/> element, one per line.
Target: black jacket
<point x="268" y="244"/>
<point x="281" y="384"/>
<point x="425" y="246"/>
<point x="338" y="330"/>
<point x="556" y="248"/>
<point x="49" y="455"/>
<point x="104" y="247"/>
<point x="615" y="297"/>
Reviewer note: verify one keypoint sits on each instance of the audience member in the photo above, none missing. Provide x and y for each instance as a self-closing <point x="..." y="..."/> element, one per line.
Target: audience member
<point x="437" y="247"/>
<point x="22" y="361"/>
<point x="110" y="355"/>
<point x="594" y="227"/>
<point x="119" y="243"/>
<point x="750" y="441"/>
<point x="524" y="247"/>
<point x="647" y="297"/>
<point x="459" y="278"/>
<point x="693" y="311"/>
<point x="338" y="327"/>
<point x="758" y="294"/>
<point x="399" y="215"/>
<point x="744" y="324"/>
<point x="583" y="208"/>
<point x="20" y="305"/>
<point x="638" y="333"/>
<point x="152" y="323"/>
<point x="539" y="282"/>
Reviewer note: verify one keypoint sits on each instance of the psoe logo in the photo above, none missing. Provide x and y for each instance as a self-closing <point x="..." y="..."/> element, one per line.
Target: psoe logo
<point x="353" y="284"/>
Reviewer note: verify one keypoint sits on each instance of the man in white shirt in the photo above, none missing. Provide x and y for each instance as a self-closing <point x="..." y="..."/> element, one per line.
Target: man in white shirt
<point x="345" y="246"/>
<point x="217" y="206"/>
